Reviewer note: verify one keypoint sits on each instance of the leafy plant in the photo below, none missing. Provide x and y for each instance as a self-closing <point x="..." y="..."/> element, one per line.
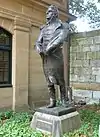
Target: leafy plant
<point x="90" y="125"/>
<point x="2" y="116"/>
<point x="8" y="114"/>
<point x="86" y="9"/>
<point x="18" y="125"/>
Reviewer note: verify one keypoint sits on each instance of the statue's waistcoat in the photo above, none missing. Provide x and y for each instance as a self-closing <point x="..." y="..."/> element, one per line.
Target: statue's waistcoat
<point x="48" y="33"/>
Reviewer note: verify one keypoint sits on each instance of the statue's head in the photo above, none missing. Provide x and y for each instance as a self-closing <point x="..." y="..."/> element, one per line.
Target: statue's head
<point x="52" y="12"/>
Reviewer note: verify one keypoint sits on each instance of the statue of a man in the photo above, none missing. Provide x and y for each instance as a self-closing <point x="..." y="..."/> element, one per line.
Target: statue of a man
<point x="49" y="46"/>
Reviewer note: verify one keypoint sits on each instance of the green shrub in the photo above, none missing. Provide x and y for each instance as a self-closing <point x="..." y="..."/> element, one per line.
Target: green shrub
<point x="18" y="125"/>
<point x="90" y="125"/>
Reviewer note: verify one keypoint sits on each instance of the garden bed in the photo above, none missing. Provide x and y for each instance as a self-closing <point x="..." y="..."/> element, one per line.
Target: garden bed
<point x="18" y="124"/>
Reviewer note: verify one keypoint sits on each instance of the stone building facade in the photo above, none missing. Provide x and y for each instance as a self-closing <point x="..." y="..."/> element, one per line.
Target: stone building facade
<point x="21" y="79"/>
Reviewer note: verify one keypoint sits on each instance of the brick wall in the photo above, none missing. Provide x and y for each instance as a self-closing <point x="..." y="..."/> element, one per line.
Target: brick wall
<point x="85" y="59"/>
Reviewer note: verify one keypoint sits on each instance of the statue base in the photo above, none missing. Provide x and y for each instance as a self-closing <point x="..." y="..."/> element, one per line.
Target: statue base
<point x="56" y="121"/>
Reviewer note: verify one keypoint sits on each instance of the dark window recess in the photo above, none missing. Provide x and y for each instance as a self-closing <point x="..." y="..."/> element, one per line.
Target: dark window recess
<point x="5" y="57"/>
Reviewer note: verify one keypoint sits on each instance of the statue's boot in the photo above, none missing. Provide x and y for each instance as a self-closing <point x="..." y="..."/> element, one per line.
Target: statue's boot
<point x="64" y="96"/>
<point x="52" y="97"/>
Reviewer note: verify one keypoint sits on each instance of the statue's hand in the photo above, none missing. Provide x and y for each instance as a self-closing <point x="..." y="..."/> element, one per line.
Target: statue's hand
<point x="42" y="55"/>
<point x="45" y="53"/>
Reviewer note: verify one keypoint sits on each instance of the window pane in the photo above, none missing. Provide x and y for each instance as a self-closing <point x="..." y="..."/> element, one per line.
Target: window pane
<point x="4" y="67"/>
<point x="6" y="75"/>
<point x="4" y="40"/>
<point x="5" y="56"/>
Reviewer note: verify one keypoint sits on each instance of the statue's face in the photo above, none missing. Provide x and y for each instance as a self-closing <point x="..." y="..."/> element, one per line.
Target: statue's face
<point x="49" y="14"/>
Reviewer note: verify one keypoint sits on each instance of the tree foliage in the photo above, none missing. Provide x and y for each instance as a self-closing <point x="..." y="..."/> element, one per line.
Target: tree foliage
<point x="86" y="9"/>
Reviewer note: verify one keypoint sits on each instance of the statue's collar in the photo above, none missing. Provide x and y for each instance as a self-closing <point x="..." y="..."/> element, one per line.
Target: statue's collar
<point x="56" y="23"/>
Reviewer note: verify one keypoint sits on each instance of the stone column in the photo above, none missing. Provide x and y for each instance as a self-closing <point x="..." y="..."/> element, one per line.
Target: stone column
<point x="20" y="61"/>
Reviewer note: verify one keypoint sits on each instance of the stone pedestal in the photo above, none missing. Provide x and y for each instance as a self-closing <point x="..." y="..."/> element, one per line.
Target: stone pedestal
<point x="56" y="121"/>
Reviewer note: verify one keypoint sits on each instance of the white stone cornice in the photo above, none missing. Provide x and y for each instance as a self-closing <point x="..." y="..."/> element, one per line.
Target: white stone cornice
<point x="46" y="3"/>
<point x="61" y="5"/>
<point x="13" y="15"/>
<point x="42" y="5"/>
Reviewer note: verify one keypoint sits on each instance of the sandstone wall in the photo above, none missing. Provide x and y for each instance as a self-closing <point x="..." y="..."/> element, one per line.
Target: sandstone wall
<point x="85" y="60"/>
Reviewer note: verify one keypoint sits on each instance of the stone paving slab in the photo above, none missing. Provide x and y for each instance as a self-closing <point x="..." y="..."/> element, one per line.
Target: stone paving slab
<point x="86" y="95"/>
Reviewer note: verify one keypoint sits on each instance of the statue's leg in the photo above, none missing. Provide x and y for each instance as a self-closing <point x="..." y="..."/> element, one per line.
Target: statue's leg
<point x="52" y="95"/>
<point x="63" y="95"/>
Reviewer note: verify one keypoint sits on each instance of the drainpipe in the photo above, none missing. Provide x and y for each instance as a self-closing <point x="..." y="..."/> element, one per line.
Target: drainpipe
<point x="66" y="53"/>
<point x="67" y="62"/>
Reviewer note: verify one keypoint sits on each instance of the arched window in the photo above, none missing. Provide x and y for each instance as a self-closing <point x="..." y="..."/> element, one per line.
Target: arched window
<point x="5" y="57"/>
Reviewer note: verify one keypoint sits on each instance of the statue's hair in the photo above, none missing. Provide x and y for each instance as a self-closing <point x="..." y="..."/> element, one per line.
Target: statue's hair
<point x="55" y="10"/>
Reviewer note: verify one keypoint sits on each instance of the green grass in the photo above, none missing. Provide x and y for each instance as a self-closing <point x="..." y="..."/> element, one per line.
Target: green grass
<point x="18" y="125"/>
<point x="90" y="125"/>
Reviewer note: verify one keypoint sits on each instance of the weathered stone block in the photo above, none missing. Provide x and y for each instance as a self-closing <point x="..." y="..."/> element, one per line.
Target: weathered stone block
<point x="74" y="49"/>
<point x="71" y="63"/>
<point x="73" y="41"/>
<point x="85" y="41"/>
<point x="89" y="41"/>
<point x="71" y="76"/>
<point x="94" y="48"/>
<point x="96" y="94"/>
<point x="97" y="39"/>
<point x="77" y="63"/>
<point x="80" y="63"/>
<point x="86" y="71"/>
<point x="71" y="48"/>
<point x="78" y="70"/>
<point x="92" y="78"/>
<point x="72" y="56"/>
<point x="80" y="48"/>
<point x="86" y="48"/>
<point x="87" y="78"/>
<point x="81" y="55"/>
<point x="82" y="78"/>
<point x="82" y="93"/>
<point x="98" y="78"/>
<point x="85" y="63"/>
<point x="95" y="71"/>
<point x="91" y="55"/>
<point x="74" y="78"/>
<point x="98" y="55"/>
<point x="71" y="70"/>
<point x="95" y="63"/>
<point x="89" y="96"/>
<point x="81" y="41"/>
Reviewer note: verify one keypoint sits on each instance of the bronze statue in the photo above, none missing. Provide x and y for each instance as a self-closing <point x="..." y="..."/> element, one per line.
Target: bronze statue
<point x="49" y="46"/>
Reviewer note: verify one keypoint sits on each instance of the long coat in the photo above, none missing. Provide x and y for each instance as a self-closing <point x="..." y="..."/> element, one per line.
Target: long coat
<point x="49" y="46"/>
